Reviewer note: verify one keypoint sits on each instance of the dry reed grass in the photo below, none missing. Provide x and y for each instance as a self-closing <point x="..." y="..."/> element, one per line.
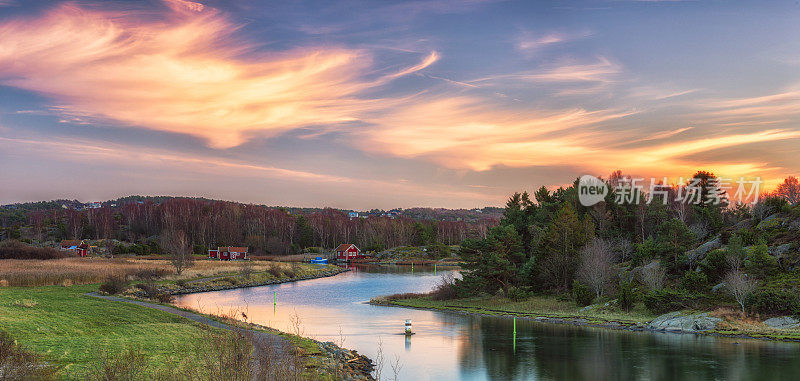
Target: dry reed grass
<point x="68" y="271"/>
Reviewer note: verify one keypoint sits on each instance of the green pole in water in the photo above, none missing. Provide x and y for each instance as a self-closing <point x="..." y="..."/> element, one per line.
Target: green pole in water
<point x="434" y="269"/>
<point x="412" y="266"/>
<point x="274" y="298"/>
<point x="515" y="336"/>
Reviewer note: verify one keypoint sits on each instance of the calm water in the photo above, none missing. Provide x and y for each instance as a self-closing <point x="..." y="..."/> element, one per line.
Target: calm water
<point x="450" y="346"/>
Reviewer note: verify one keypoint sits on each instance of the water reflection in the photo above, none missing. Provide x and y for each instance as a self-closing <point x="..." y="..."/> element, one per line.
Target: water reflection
<point x="456" y="346"/>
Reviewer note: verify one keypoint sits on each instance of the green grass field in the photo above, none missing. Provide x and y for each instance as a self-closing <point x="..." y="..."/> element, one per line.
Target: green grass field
<point x="77" y="331"/>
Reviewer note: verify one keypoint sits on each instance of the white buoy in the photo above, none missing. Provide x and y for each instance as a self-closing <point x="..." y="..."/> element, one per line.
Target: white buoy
<point x="408" y="326"/>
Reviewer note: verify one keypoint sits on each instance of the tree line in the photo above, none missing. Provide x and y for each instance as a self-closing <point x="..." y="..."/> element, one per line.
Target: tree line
<point x="208" y="223"/>
<point x="549" y="242"/>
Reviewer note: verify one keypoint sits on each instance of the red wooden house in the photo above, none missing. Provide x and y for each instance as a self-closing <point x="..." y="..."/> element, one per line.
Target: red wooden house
<point x="347" y="252"/>
<point x="227" y="253"/>
<point x="75" y="245"/>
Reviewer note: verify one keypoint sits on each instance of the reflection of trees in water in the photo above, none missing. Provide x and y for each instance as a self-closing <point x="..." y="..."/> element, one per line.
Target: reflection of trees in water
<point x="548" y="351"/>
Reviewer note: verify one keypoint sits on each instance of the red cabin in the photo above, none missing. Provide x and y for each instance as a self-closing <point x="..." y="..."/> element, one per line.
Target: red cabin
<point x="347" y="252"/>
<point x="77" y="246"/>
<point x="228" y="253"/>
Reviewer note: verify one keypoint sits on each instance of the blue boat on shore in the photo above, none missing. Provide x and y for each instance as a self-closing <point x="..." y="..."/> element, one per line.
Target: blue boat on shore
<point x="319" y="260"/>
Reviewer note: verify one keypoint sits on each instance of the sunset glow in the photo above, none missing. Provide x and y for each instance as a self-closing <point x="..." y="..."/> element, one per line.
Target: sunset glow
<point x="412" y="103"/>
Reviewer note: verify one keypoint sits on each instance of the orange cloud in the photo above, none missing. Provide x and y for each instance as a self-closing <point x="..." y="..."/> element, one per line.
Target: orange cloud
<point x="184" y="73"/>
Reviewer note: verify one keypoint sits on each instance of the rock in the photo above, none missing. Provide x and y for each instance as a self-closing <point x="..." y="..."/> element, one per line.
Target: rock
<point x="676" y="322"/>
<point x="700" y="252"/>
<point x="718" y="287"/>
<point x="770" y="222"/>
<point x="780" y="249"/>
<point x="783" y="322"/>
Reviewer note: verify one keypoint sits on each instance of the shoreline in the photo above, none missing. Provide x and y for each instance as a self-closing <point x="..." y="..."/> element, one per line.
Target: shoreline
<point x="592" y="322"/>
<point x="193" y="290"/>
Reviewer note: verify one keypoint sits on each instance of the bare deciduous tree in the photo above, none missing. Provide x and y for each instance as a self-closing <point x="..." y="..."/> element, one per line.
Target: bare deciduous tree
<point x="176" y="244"/>
<point x="653" y="275"/>
<point x="597" y="265"/>
<point x="789" y="190"/>
<point x="739" y="286"/>
<point x="624" y="248"/>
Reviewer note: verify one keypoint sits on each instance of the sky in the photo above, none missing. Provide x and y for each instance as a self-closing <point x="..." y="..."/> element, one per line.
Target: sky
<point x="382" y="104"/>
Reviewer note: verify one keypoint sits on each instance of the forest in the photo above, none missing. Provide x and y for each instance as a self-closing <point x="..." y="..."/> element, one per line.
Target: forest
<point x="138" y="221"/>
<point x="664" y="253"/>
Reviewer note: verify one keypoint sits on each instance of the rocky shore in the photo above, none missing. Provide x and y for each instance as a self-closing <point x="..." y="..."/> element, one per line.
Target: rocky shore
<point x="673" y="322"/>
<point x="347" y="364"/>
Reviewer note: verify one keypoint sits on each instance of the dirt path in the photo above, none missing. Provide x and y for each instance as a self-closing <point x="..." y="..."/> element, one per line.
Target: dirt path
<point x="263" y="341"/>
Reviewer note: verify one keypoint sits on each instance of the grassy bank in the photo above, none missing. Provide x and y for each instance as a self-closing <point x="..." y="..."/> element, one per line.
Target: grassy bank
<point x="85" y="336"/>
<point x="82" y="335"/>
<point x="555" y="310"/>
<point x="77" y="332"/>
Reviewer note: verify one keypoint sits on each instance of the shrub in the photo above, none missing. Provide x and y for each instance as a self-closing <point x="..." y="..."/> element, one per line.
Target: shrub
<point x="715" y="265"/>
<point x="517" y="294"/>
<point x="17" y="250"/>
<point x="114" y="285"/>
<point x="291" y="272"/>
<point x="666" y="300"/>
<point x="231" y="280"/>
<point x="759" y="262"/>
<point x="774" y="302"/>
<point x="150" y="274"/>
<point x="129" y="365"/>
<point x="446" y="289"/>
<point x="582" y="294"/>
<point x="66" y="283"/>
<point x="626" y="296"/>
<point x="16" y="363"/>
<point x="3" y="283"/>
<point x="275" y="270"/>
<point x="694" y="281"/>
<point x="164" y="297"/>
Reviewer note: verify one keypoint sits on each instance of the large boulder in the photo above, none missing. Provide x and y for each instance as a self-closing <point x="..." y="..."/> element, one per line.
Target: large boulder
<point x="700" y="252"/>
<point x="783" y="322"/>
<point x="677" y="322"/>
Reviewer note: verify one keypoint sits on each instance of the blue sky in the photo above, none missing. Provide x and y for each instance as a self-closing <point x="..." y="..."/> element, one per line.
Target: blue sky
<point x="383" y="104"/>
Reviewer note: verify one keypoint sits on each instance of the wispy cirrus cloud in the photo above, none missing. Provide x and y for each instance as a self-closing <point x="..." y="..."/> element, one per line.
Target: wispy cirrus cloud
<point x="602" y="70"/>
<point x="530" y="43"/>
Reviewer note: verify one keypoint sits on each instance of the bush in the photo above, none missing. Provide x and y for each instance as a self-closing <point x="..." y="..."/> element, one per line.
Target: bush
<point x="694" y="281"/>
<point x="114" y="285"/>
<point x="715" y="265"/>
<point x="275" y="270"/>
<point x="17" y="250"/>
<point x="517" y="294"/>
<point x="666" y="300"/>
<point x="291" y="272"/>
<point x="774" y="302"/>
<point x="626" y="296"/>
<point x="582" y="294"/>
<point x="446" y="289"/>
<point x="164" y="297"/>
<point x="128" y="365"/>
<point x="150" y="274"/>
<point x="759" y="262"/>
<point x="16" y="363"/>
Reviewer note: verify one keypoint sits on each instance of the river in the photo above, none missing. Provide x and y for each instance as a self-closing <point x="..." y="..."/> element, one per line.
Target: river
<point x="452" y="346"/>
